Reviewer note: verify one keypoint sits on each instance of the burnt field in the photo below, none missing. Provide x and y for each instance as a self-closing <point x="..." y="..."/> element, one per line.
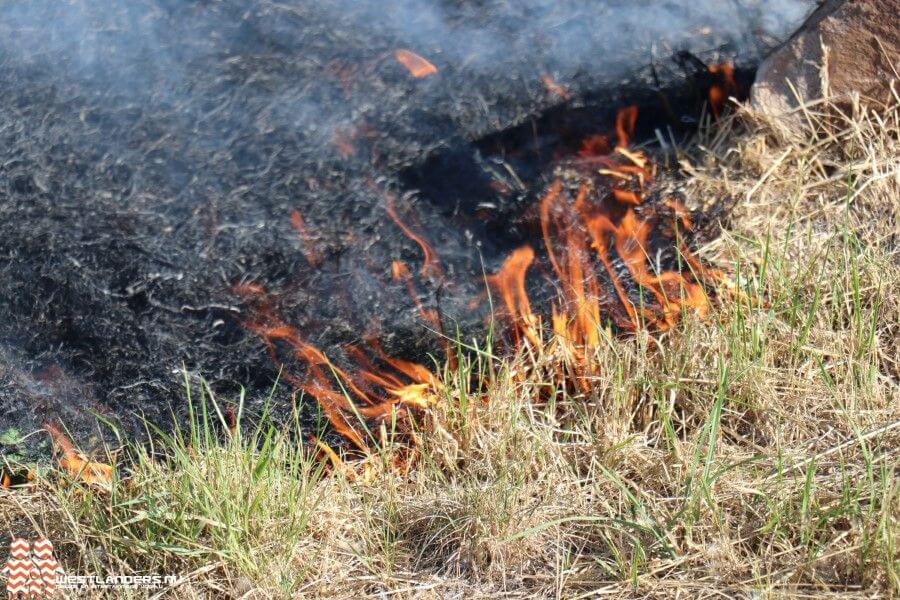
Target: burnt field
<point x="159" y="159"/>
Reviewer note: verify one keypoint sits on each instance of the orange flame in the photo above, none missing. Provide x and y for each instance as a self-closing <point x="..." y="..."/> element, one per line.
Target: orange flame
<point x="672" y="290"/>
<point x="724" y="87"/>
<point x="594" y="145"/>
<point x="572" y="264"/>
<point x="554" y="88"/>
<point x="601" y="232"/>
<point x="79" y="467"/>
<point x="401" y="274"/>
<point x="313" y="256"/>
<point x="597" y="241"/>
<point x="509" y="282"/>
<point x="431" y="267"/>
<point x="15" y="478"/>
<point x="351" y="400"/>
<point x="625" y="122"/>
<point x="416" y="65"/>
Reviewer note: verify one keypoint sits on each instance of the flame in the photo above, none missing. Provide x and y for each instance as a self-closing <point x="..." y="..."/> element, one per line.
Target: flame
<point x="416" y="65"/>
<point x="15" y="478"/>
<point x="378" y="389"/>
<point x="509" y="283"/>
<point x="401" y="274"/>
<point x="431" y="267"/>
<point x="572" y="264"/>
<point x="352" y="400"/>
<point x="595" y="241"/>
<point x="313" y="257"/>
<point x="597" y="145"/>
<point x="399" y="271"/>
<point x="79" y="467"/>
<point x="723" y="87"/>
<point x="625" y="121"/>
<point x="554" y="88"/>
<point x="594" y="145"/>
<point x="597" y="231"/>
<point x="672" y="290"/>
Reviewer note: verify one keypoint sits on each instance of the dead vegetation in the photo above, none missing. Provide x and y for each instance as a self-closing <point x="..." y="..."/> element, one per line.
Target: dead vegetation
<point x="750" y="453"/>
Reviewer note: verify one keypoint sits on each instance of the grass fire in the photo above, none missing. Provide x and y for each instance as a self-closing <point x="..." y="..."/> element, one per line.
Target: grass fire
<point x="423" y="299"/>
<point x="603" y="264"/>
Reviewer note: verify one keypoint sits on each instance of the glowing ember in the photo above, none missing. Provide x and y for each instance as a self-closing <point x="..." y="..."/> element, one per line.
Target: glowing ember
<point x="416" y="65"/>
<point x="724" y="87"/>
<point x="554" y="88"/>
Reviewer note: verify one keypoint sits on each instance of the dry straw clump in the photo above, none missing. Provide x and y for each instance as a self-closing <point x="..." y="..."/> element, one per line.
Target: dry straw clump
<point x="752" y="453"/>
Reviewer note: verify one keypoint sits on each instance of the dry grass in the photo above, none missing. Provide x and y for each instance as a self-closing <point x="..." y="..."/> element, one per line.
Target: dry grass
<point x="754" y="453"/>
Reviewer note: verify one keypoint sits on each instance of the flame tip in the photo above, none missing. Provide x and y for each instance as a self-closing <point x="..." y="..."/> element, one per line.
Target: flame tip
<point x="417" y="66"/>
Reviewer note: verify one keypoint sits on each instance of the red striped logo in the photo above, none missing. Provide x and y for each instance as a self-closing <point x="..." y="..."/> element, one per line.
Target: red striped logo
<point x="31" y="569"/>
<point x="19" y="548"/>
<point x="43" y="548"/>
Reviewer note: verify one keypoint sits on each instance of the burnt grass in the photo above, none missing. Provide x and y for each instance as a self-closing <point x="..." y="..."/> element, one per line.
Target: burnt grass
<point x="152" y="152"/>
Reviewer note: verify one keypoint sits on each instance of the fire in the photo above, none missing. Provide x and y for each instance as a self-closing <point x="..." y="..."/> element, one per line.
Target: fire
<point x="417" y="66"/>
<point x="594" y="145"/>
<point x="401" y="274"/>
<point x="509" y="282"/>
<point x="431" y="267"/>
<point x="79" y="467"/>
<point x="313" y="257"/>
<point x="379" y="390"/>
<point x="625" y="122"/>
<point x="571" y="262"/>
<point x="601" y="231"/>
<point x="597" y="240"/>
<point x="554" y="88"/>
<point x="723" y="87"/>
<point x="14" y="478"/>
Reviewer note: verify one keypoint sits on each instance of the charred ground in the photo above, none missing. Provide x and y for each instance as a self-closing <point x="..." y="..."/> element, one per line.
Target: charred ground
<point x="151" y="156"/>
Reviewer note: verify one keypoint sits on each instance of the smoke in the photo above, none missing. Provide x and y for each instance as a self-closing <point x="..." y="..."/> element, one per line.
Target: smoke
<point x="156" y="49"/>
<point x="224" y="69"/>
<point x="567" y="35"/>
<point x="152" y="152"/>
